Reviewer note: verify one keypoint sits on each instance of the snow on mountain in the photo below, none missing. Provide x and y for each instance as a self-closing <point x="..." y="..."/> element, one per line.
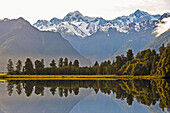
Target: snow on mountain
<point x="74" y="23"/>
<point x="74" y="16"/>
<point x="44" y="25"/>
<point x="132" y="27"/>
<point x="163" y="26"/>
<point x="165" y="15"/>
<point x="81" y="29"/>
<point x="136" y="17"/>
<point x="108" y="26"/>
<point x="70" y="29"/>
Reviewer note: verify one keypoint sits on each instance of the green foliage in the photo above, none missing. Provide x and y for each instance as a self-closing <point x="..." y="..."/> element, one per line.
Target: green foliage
<point x="96" y="64"/>
<point x="161" y="49"/>
<point x="76" y="63"/>
<point x="60" y="64"/>
<point x="10" y="67"/>
<point x="65" y="62"/>
<point x="163" y="67"/>
<point x="19" y="65"/>
<point x="53" y="63"/>
<point x="39" y="65"/>
<point x="70" y="63"/>
<point x="28" y="68"/>
<point x="129" y="55"/>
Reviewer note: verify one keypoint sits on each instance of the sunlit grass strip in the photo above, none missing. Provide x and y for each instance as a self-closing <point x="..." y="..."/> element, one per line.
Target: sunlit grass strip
<point x="8" y="79"/>
<point x="75" y="76"/>
<point x="2" y="74"/>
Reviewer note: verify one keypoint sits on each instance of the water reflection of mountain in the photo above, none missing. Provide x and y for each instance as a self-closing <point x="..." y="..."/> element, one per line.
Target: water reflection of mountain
<point x="147" y="92"/>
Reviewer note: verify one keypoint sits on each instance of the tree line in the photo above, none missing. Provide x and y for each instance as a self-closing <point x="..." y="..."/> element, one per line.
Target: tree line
<point x="146" y="62"/>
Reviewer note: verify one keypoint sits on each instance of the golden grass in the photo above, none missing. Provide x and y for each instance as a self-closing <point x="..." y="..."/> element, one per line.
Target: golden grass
<point x="2" y="74"/>
<point x="72" y="77"/>
<point x="6" y="79"/>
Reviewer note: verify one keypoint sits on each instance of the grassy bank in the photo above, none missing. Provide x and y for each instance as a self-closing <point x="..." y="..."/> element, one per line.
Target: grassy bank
<point x="73" y="77"/>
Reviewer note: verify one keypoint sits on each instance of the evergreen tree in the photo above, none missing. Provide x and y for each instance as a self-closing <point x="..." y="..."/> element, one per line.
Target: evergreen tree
<point x="108" y="63"/>
<point x="95" y="68"/>
<point x="28" y="68"/>
<point x="10" y="67"/>
<point x="70" y="63"/>
<point x="76" y="63"/>
<point x="96" y="64"/>
<point x="153" y="69"/>
<point x="65" y="62"/>
<point x="124" y="59"/>
<point x="53" y="63"/>
<point x="119" y="62"/>
<point x="19" y="65"/>
<point x="163" y="67"/>
<point x="129" y="55"/>
<point x="42" y="63"/>
<point x="60" y="64"/>
<point x="38" y="64"/>
<point x="161" y="49"/>
<point x="101" y="69"/>
<point x="148" y="54"/>
<point x="113" y="63"/>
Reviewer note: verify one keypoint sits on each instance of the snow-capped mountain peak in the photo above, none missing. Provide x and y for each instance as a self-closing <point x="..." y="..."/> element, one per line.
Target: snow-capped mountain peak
<point x="74" y="16"/>
<point x="136" y="17"/>
<point x="138" y="13"/>
<point x="74" y="23"/>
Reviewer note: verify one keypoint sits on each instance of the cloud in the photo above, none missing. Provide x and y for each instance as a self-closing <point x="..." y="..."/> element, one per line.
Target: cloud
<point x="162" y="27"/>
<point x="33" y="10"/>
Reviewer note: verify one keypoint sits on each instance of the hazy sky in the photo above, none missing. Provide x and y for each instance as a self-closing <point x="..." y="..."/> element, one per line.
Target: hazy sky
<point x="32" y="10"/>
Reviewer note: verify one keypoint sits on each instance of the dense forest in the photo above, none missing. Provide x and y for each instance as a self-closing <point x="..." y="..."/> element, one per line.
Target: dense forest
<point x="146" y="62"/>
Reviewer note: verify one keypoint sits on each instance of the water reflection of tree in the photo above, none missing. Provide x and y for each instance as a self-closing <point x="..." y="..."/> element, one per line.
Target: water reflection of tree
<point x="39" y="90"/>
<point x="18" y="89"/>
<point x="147" y="92"/>
<point x="28" y="86"/>
<point x="10" y="88"/>
<point x="53" y="90"/>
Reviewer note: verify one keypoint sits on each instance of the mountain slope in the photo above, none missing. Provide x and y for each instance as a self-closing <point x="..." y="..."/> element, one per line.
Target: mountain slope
<point x="163" y="38"/>
<point x="105" y="43"/>
<point x="19" y="39"/>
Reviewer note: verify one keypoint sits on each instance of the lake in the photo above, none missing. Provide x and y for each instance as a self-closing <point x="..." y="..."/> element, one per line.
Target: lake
<point x="85" y="96"/>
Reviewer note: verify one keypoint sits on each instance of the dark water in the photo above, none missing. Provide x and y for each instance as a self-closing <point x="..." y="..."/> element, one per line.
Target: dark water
<point x="88" y="96"/>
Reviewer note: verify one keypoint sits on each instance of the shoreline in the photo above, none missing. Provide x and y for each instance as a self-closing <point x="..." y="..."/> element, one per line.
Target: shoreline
<point x="73" y="77"/>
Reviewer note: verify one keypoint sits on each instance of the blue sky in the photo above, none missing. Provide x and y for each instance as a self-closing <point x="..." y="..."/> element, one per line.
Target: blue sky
<point x="32" y="10"/>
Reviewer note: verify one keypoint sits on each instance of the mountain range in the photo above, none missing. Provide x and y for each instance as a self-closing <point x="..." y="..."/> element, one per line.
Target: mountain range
<point x="82" y="37"/>
<point x="100" y="39"/>
<point x="74" y="23"/>
<point x="19" y="40"/>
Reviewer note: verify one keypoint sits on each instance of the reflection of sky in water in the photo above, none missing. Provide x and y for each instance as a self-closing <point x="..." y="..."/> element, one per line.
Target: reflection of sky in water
<point x="101" y="103"/>
<point x="85" y="102"/>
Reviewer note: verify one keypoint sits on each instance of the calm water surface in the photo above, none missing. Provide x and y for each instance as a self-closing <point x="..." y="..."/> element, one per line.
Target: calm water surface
<point x="74" y="96"/>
